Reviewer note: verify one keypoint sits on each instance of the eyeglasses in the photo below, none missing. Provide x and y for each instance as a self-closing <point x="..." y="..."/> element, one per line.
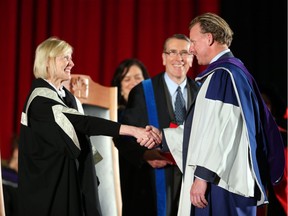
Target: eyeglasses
<point x="174" y="53"/>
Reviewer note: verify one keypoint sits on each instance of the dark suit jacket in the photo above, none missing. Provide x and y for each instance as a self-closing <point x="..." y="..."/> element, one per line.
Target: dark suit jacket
<point x="137" y="177"/>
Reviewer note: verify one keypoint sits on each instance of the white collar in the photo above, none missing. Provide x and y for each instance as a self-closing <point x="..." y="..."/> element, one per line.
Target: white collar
<point x="172" y="86"/>
<point x="60" y="91"/>
<point x="219" y="55"/>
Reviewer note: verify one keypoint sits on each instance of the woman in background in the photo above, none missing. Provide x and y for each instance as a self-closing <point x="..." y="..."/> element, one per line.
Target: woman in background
<point x="128" y="74"/>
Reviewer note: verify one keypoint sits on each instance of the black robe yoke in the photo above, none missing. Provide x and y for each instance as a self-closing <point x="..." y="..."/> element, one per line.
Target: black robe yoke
<point x="56" y="169"/>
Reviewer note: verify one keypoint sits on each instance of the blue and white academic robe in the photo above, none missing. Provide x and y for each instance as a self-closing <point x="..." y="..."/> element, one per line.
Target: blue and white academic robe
<point x="233" y="135"/>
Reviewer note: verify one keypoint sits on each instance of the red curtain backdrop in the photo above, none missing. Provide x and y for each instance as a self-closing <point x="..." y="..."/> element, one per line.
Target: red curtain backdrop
<point x="102" y="32"/>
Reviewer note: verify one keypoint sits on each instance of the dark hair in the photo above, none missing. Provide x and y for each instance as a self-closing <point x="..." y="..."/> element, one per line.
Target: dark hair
<point x="121" y="72"/>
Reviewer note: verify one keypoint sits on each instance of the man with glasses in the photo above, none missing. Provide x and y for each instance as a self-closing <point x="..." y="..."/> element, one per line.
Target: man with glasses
<point x="153" y="179"/>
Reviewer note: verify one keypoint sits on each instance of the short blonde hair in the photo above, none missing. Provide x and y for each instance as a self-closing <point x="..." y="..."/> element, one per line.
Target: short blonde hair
<point x="217" y="26"/>
<point x="49" y="50"/>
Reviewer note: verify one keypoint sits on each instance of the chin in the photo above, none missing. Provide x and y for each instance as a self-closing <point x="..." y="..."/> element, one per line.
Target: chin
<point x="68" y="76"/>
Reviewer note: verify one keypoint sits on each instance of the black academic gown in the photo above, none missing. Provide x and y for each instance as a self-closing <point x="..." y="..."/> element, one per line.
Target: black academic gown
<point x="137" y="176"/>
<point x="56" y="169"/>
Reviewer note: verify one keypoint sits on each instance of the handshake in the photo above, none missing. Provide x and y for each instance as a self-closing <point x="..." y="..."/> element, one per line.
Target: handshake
<point x="149" y="136"/>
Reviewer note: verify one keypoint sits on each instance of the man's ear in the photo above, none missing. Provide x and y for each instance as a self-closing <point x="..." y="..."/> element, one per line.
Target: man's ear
<point x="210" y="38"/>
<point x="164" y="59"/>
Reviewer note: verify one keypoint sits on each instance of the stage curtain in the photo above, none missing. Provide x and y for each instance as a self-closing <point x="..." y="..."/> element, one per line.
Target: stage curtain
<point x="103" y="33"/>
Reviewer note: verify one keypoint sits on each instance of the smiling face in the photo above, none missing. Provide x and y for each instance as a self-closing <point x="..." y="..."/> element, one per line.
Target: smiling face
<point x="131" y="79"/>
<point x="177" y="65"/>
<point x="59" y="69"/>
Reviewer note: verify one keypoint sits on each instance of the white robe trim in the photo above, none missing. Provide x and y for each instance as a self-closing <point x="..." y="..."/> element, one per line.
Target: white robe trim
<point x="174" y="138"/>
<point x="223" y="145"/>
<point x="219" y="142"/>
<point x="58" y="111"/>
